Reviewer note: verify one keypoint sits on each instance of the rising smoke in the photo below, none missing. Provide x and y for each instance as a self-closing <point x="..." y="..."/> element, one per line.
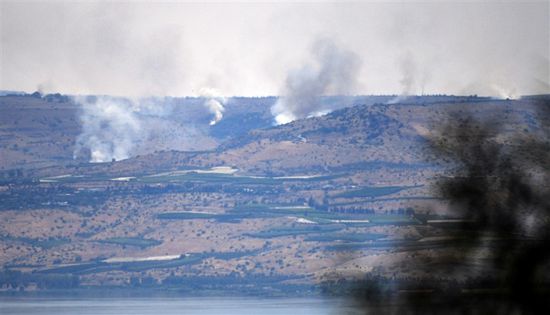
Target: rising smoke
<point x="147" y="48"/>
<point x="414" y="78"/>
<point x="118" y="128"/>
<point x="110" y="128"/>
<point x="214" y="103"/>
<point x="408" y="70"/>
<point x="334" y="71"/>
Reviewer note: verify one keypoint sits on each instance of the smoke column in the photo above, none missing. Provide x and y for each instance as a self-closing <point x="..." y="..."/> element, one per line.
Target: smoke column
<point x="119" y="128"/>
<point x="408" y="69"/>
<point x="110" y="128"/>
<point x="334" y="71"/>
<point x="413" y="77"/>
<point x="216" y="108"/>
<point x="214" y="103"/>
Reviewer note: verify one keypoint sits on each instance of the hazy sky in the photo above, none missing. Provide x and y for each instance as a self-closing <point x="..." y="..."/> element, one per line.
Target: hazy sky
<point x="174" y="48"/>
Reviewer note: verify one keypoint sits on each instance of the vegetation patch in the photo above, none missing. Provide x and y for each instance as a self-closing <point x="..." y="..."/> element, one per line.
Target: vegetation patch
<point x="131" y="241"/>
<point x="348" y="237"/>
<point x="211" y="178"/>
<point x="271" y="210"/>
<point x="372" y="192"/>
<point x="141" y="264"/>
<point x="45" y="243"/>
<point x="185" y="215"/>
<point x="292" y="231"/>
<point x="398" y="245"/>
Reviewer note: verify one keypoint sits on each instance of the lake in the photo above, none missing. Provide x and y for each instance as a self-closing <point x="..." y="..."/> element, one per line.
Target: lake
<point x="158" y="306"/>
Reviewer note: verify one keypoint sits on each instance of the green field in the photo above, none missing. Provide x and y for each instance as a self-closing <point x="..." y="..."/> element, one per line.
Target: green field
<point x="398" y="245"/>
<point x="250" y="211"/>
<point x="255" y="211"/>
<point x="189" y="175"/>
<point x="185" y="216"/>
<point x="209" y="178"/>
<point x="131" y="241"/>
<point x="103" y="266"/>
<point x="344" y="237"/>
<point x="372" y="192"/>
<point x="291" y="231"/>
<point x="271" y="210"/>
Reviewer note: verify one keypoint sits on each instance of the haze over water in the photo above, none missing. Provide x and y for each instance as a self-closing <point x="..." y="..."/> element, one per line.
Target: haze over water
<point x="168" y="306"/>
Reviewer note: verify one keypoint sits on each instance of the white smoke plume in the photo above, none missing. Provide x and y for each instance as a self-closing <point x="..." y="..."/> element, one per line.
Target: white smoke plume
<point x="119" y="128"/>
<point x="334" y="71"/>
<point x="109" y="128"/>
<point x="408" y="69"/>
<point x="214" y="103"/>
<point x="414" y="77"/>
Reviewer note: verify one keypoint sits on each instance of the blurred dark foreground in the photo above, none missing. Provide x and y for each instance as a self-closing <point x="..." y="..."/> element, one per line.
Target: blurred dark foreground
<point x="499" y="188"/>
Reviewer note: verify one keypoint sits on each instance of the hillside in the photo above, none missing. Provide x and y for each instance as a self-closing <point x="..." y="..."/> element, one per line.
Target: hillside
<point x="271" y="207"/>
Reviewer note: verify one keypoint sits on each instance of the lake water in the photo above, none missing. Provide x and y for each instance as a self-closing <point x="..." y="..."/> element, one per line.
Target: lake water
<point x="160" y="306"/>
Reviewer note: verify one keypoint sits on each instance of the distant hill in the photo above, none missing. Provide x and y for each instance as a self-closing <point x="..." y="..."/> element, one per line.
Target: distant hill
<point x="358" y="135"/>
<point x="41" y="131"/>
<point x="263" y="210"/>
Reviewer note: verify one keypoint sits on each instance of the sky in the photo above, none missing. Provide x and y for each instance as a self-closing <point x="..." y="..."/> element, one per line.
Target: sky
<point x="176" y="48"/>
